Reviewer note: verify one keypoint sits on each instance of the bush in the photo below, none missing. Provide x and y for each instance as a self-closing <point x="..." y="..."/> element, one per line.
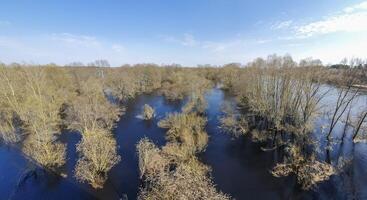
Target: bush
<point x="234" y="125"/>
<point x="309" y="171"/>
<point x="167" y="177"/>
<point x="32" y="98"/>
<point x="186" y="130"/>
<point x="98" y="155"/>
<point x="148" y="112"/>
<point x="195" y="104"/>
<point x="94" y="117"/>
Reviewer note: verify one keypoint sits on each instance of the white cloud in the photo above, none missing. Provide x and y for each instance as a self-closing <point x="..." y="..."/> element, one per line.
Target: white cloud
<point x="187" y="40"/>
<point x="118" y="48"/>
<point x="353" y="22"/>
<point x="219" y="47"/>
<point x="353" y="19"/>
<point x="78" y="40"/>
<point x="263" y="41"/>
<point x="360" y="6"/>
<point x="61" y="48"/>
<point x="281" y="25"/>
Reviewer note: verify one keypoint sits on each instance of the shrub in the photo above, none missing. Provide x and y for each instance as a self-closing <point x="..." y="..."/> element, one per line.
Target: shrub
<point x="186" y="130"/>
<point x="167" y="177"/>
<point x="98" y="155"/>
<point x="309" y="171"/>
<point x="94" y="117"/>
<point x="195" y="104"/>
<point x="148" y="112"/>
<point x="34" y="96"/>
<point x="233" y="125"/>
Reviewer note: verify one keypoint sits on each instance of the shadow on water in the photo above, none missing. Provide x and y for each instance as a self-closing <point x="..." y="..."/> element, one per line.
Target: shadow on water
<point x="239" y="166"/>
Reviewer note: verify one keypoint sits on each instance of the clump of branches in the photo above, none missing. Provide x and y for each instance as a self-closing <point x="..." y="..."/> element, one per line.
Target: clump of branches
<point x="94" y="117"/>
<point x="186" y="130"/>
<point x="196" y="103"/>
<point x="233" y="123"/>
<point x="169" y="177"/>
<point x="126" y="82"/>
<point x="12" y="90"/>
<point x="97" y="157"/>
<point x="308" y="170"/>
<point x="32" y="98"/>
<point x="148" y="112"/>
<point x="281" y="99"/>
<point x="284" y="97"/>
<point x="180" y="83"/>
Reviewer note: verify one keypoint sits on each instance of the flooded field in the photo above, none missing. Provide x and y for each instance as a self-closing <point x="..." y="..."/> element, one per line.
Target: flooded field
<point x="239" y="167"/>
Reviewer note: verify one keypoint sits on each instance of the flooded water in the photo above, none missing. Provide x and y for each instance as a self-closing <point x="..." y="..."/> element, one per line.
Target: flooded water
<point x="239" y="167"/>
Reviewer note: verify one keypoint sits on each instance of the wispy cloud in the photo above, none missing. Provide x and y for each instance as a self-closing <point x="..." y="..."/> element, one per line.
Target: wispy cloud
<point x="341" y="23"/>
<point x="118" y="48"/>
<point x="221" y="46"/>
<point x="281" y="25"/>
<point x="61" y="48"/>
<point x="357" y="7"/>
<point x="186" y="40"/>
<point x="78" y="40"/>
<point x="352" y="19"/>
<point x="263" y="41"/>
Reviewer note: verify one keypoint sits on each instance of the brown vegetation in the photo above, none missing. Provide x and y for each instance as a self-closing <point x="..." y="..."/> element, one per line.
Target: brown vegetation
<point x="309" y="171"/>
<point x="233" y="123"/>
<point x="279" y="100"/>
<point x="186" y="130"/>
<point x="169" y="175"/>
<point x="174" y="171"/>
<point x="34" y="96"/>
<point x="148" y="112"/>
<point x="94" y="117"/>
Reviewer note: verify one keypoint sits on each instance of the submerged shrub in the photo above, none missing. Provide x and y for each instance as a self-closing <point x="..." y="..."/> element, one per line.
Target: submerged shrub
<point x="309" y="171"/>
<point x="8" y="131"/>
<point x="196" y="104"/>
<point x="184" y="82"/>
<point x="12" y="91"/>
<point x="259" y="136"/>
<point x="151" y="162"/>
<point x="45" y="151"/>
<point x="187" y="130"/>
<point x="167" y="177"/>
<point x="98" y="155"/>
<point x="148" y="112"/>
<point x="48" y="90"/>
<point x="234" y="125"/>
<point x="94" y="117"/>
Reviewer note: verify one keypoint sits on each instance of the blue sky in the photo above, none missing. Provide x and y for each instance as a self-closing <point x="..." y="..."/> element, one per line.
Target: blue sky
<point x="187" y="32"/>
